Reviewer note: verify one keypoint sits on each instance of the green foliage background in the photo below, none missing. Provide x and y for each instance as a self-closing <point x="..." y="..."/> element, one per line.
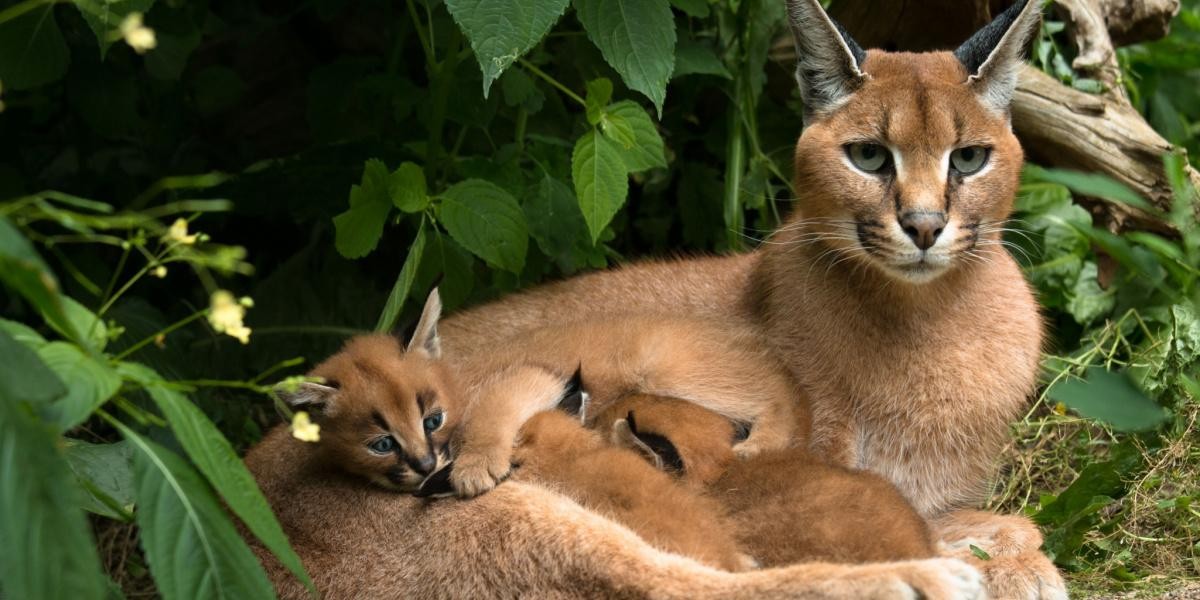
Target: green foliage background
<point x="339" y="158"/>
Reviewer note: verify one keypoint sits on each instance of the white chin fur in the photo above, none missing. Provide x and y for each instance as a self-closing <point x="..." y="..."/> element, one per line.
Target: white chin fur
<point x="926" y="273"/>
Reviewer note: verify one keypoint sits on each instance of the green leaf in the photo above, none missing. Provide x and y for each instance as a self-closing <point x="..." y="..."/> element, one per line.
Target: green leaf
<point x="48" y="547"/>
<point x="213" y="455"/>
<point x="105" y="17"/>
<point x="618" y="129"/>
<point x="23" y="375"/>
<point x="450" y="266"/>
<point x="193" y="549"/>
<point x="24" y="271"/>
<point x="637" y="38"/>
<point x="1087" y="301"/>
<point x="90" y="383"/>
<point x="358" y="229"/>
<point x="1092" y="184"/>
<point x="599" y="94"/>
<point x="32" y="50"/>
<point x="501" y="31"/>
<point x="407" y="188"/>
<point x="600" y="180"/>
<point x="106" y="472"/>
<point x="554" y="217"/>
<point x="979" y="553"/>
<point x="486" y="220"/>
<point x="87" y="329"/>
<point x="646" y="150"/>
<point x="692" y="8"/>
<point x="403" y="285"/>
<point x="1109" y="397"/>
<point x="695" y="58"/>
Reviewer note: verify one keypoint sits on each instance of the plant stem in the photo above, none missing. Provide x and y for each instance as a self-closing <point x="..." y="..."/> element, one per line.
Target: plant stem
<point x="164" y="331"/>
<point x="552" y="81"/>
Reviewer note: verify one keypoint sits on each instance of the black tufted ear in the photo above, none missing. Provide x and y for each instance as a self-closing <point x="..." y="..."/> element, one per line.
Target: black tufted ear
<point x="574" y="401"/>
<point x="437" y="485"/>
<point x="993" y="56"/>
<point x="828" y="60"/>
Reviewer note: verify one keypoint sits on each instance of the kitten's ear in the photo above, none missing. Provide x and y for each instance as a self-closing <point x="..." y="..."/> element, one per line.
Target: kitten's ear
<point x="315" y="397"/>
<point x="829" y="61"/>
<point x="425" y="336"/>
<point x="656" y="449"/>
<point x="993" y="56"/>
<point x="438" y="484"/>
<point x="575" y="399"/>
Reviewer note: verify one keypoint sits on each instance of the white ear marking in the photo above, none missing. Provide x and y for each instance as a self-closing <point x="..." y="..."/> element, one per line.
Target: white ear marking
<point x="425" y="337"/>
<point x="309" y="394"/>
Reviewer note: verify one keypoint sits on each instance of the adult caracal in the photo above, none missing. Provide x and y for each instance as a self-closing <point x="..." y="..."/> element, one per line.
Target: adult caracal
<point x="887" y="292"/>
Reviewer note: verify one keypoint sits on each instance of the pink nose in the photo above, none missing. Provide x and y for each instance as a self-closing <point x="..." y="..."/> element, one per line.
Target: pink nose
<point x="923" y="227"/>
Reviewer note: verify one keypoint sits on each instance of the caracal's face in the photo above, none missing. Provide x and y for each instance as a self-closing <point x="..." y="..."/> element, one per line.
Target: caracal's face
<point x="912" y="175"/>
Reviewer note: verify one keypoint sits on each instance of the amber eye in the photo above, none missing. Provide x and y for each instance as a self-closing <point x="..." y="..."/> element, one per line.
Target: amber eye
<point x="969" y="160"/>
<point x="432" y="422"/>
<point x="869" y="158"/>
<point x="383" y="445"/>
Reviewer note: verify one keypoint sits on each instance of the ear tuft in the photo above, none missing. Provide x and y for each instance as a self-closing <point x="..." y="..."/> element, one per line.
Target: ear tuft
<point x="993" y="56"/>
<point x="425" y="336"/>
<point x="829" y="61"/>
<point x="308" y="395"/>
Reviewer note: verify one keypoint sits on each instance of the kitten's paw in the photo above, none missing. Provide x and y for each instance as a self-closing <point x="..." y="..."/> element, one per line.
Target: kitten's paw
<point x="478" y="472"/>
<point x="748" y="449"/>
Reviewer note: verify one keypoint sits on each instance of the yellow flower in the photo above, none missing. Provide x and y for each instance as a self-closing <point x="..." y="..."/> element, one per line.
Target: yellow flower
<point x="225" y="314"/>
<point x="304" y="429"/>
<point x="138" y="36"/>
<point x="1060" y="409"/>
<point x="160" y="340"/>
<point x="159" y="271"/>
<point x="178" y="233"/>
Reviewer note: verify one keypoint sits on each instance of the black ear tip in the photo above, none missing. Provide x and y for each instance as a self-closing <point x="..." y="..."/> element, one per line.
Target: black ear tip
<point x="575" y="398"/>
<point x="437" y="485"/>
<point x="632" y="423"/>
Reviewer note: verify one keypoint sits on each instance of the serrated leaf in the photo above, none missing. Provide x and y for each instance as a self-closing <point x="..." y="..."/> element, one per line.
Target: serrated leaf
<point x="646" y="150"/>
<point x="216" y="459"/>
<point x="1109" y="397"/>
<point x="486" y="220"/>
<point x="23" y="375"/>
<point x="599" y="93"/>
<point x="600" y="180"/>
<point x="106" y="472"/>
<point x="193" y="549"/>
<point x="32" y="50"/>
<point x="403" y="285"/>
<point x="637" y="38"/>
<point x="90" y="383"/>
<point x="358" y="229"/>
<point x="695" y="58"/>
<point x="408" y="190"/>
<point x="501" y="31"/>
<point x="48" y="548"/>
<point x="618" y="129"/>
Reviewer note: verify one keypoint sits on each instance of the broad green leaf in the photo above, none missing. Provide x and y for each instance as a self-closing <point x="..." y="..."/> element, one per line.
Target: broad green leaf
<point x="554" y="217"/>
<point x="695" y="58"/>
<point x="501" y="31"/>
<point x="105" y="17"/>
<point x="90" y="383"/>
<point x="407" y="188"/>
<point x="403" y="285"/>
<point x="91" y="331"/>
<point x="22" y="374"/>
<point x="1109" y="397"/>
<point x="599" y="93"/>
<point x="48" y="547"/>
<point x="1092" y="184"/>
<point x="450" y="266"/>
<point x="23" y="334"/>
<point x="193" y="549"/>
<point x="618" y="129"/>
<point x="1087" y="301"/>
<point x="600" y="180"/>
<point x="693" y="8"/>
<point x="32" y="50"/>
<point x="646" y="150"/>
<point x="486" y="220"/>
<point x="106" y="472"/>
<point x="358" y="229"/>
<point x="519" y="90"/>
<point x="636" y="37"/>
<point x="24" y="271"/>
<point x="215" y="458"/>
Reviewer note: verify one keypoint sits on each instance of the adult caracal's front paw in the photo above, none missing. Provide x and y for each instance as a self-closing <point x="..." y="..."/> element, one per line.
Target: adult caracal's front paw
<point x="941" y="579"/>
<point x="476" y="472"/>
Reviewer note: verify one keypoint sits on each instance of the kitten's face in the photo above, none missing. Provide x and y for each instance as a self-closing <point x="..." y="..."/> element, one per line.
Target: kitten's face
<point x="913" y="175"/>
<point x="392" y="414"/>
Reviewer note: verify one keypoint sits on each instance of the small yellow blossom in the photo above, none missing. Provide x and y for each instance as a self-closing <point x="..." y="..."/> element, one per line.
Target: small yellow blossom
<point x="159" y="271"/>
<point x="160" y="340"/>
<point x="138" y="36"/>
<point x="1060" y="409"/>
<point x="225" y="315"/>
<point x="304" y="429"/>
<point x="178" y="233"/>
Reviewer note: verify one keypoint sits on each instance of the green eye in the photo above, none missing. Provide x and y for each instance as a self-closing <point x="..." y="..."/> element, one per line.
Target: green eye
<point x="432" y="422"/>
<point x="383" y="445"/>
<point x="869" y="158"/>
<point x="969" y="160"/>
